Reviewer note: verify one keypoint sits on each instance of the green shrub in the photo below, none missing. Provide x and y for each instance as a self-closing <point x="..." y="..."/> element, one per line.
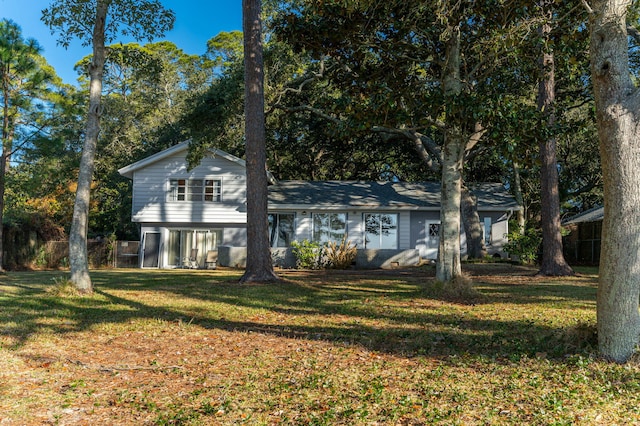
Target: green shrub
<point x="525" y="246"/>
<point x="41" y="257"/>
<point x="307" y="253"/>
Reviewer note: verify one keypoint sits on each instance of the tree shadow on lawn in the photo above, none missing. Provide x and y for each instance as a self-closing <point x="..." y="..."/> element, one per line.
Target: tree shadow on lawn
<point x="378" y="313"/>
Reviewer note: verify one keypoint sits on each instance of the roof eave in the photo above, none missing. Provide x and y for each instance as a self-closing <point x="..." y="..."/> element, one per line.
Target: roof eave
<point x="129" y="170"/>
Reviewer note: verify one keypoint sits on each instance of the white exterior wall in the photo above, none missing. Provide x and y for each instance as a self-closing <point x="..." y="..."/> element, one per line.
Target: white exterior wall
<point x="355" y="226"/>
<point x="404" y="230"/>
<point x="355" y="229"/>
<point x="304" y="226"/>
<point x="153" y="210"/>
<point x="499" y="231"/>
<point x="151" y="189"/>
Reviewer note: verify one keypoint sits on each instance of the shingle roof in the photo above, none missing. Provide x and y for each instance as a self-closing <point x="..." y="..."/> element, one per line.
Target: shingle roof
<point x="592" y="215"/>
<point x="296" y="194"/>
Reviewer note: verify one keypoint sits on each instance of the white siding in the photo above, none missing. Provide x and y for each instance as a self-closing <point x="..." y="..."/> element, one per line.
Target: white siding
<point x="304" y="227"/>
<point x="404" y="230"/>
<point x="151" y="186"/>
<point x="355" y="229"/>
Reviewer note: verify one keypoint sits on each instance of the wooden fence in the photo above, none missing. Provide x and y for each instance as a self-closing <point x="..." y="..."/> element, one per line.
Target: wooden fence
<point x="55" y="254"/>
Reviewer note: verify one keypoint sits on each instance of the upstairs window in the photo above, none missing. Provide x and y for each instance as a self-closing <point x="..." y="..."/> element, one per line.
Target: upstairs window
<point x="208" y="190"/>
<point x="212" y="190"/>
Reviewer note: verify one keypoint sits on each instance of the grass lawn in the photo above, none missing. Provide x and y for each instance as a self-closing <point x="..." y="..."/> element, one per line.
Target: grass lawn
<point x="352" y="348"/>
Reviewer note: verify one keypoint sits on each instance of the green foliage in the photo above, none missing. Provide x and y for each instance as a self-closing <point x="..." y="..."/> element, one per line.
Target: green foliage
<point x="308" y="254"/>
<point x="225" y="48"/>
<point x="313" y="255"/>
<point x="524" y="246"/>
<point x="139" y="20"/>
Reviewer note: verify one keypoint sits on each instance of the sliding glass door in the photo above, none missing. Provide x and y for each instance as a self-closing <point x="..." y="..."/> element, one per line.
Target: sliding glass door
<point x="185" y="242"/>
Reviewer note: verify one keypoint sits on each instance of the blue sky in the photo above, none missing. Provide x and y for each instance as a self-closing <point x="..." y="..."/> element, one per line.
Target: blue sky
<point x="196" y="22"/>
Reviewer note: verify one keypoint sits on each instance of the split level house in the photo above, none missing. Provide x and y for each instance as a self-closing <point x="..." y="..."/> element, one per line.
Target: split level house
<point x="188" y="217"/>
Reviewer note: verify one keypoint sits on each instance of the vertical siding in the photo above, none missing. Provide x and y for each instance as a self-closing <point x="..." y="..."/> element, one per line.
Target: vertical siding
<point x="418" y="232"/>
<point x="355" y="228"/>
<point x="304" y="226"/>
<point x="404" y="230"/>
<point x="499" y="231"/>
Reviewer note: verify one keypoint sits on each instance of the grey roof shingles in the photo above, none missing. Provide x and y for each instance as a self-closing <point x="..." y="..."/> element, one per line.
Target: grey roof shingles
<point x="336" y="195"/>
<point x="592" y="215"/>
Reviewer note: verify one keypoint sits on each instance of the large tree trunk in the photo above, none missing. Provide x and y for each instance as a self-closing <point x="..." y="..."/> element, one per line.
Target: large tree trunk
<point x="553" y="261"/>
<point x="472" y="227"/>
<point x="448" y="265"/>
<point x="78" y="259"/>
<point x="618" y="116"/>
<point x="259" y="263"/>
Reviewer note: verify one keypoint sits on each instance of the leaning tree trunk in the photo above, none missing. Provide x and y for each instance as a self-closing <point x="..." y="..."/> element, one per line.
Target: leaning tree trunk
<point x="259" y="263"/>
<point x="78" y="258"/>
<point x="618" y="117"/>
<point x="553" y="261"/>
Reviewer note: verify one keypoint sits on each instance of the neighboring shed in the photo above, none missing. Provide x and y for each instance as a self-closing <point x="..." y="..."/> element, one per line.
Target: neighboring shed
<point x="582" y="245"/>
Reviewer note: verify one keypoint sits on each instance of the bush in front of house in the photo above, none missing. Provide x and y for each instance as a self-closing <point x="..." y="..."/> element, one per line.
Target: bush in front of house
<point x="313" y="255"/>
<point x="340" y="256"/>
<point x="524" y="246"/>
<point x="308" y="254"/>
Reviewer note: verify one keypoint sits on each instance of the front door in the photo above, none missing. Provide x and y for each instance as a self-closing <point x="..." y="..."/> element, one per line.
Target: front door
<point x="151" y="250"/>
<point x="432" y="239"/>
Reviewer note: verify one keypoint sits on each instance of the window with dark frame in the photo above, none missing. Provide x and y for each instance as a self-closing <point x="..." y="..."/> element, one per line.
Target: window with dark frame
<point x="208" y="190"/>
<point x="381" y="230"/>
<point x="329" y="227"/>
<point x="281" y="229"/>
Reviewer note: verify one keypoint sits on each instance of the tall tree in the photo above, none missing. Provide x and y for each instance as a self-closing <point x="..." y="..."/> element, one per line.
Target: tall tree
<point x="96" y="23"/>
<point x="617" y="102"/>
<point x="553" y="261"/>
<point x="259" y="264"/>
<point x="420" y="70"/>
<point x="22" y="81"/>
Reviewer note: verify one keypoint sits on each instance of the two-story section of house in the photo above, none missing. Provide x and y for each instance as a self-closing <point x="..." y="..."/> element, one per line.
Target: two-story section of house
<point x="183" y="212"/>
<point x="184" y="215"/>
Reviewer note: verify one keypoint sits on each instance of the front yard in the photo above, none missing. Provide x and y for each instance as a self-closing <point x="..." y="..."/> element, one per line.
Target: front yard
<point x="355" y="347"/>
